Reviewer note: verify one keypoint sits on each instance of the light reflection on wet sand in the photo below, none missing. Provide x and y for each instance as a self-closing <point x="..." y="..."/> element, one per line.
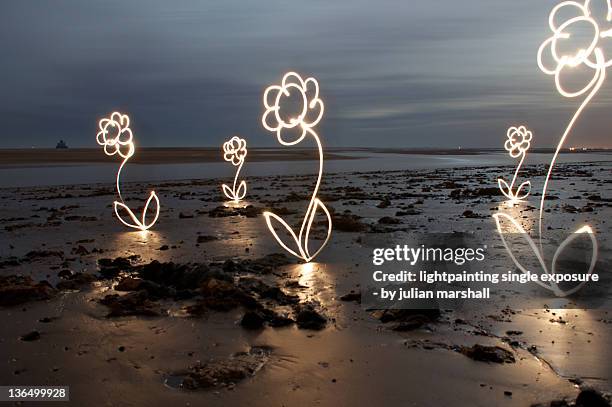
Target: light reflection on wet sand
<point x="355" y="350"/>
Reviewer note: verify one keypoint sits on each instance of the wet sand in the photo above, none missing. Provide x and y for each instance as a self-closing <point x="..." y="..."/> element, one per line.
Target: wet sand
<point x="171" y="345"/>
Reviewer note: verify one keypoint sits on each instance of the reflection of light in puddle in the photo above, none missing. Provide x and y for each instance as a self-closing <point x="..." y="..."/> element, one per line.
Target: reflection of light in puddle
<point x="520" y="211"/>
<point x="511" y="203"/>
<point x="320" y="287"/>
<point x="307" y="273"/>
<point x="566" y="341"/>
<point x="145" y="236"/>
<point x="237" y="205"/>
<point x="141" y="243"/>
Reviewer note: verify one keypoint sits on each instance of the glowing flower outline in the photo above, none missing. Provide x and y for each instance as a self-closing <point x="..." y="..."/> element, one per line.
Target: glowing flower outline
<point x="235" y="151"/>
<point x="301" y="239"/>
<point x="292" y="80"/>
<point x="517" y="143"/>
<point x="581" y="57"/>
<point x="115" y="145"/>
<point x="592" y="56"/>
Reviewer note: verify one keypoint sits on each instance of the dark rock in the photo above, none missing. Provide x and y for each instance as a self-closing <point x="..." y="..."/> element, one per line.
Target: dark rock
<point x="309" y="318"/>
<point x="387" y="220"/>
<point x="129" y="284"/>
<point x="275" y="320"/>
<point x="352" y="296"/>
<point x="483" y="353"/>
<point x="134" y="303"/>
<point x="264" y="265"/>
<point x="408" y="212"/>
<point x="471" y="215"/>
<point x="474" y="193"/>
<point x="407" y="315"/>
<point x="252" y="320"/>
<point x="65" y="273"/>
<point x="80" y="251"/>
<point x="16" y="290"/>
<point x="206" y="238"/>
<point x="178" y="276"/>
<point x="348" y="223"/>
<point x="76" y="281"/>
<point x="110" y="268"/>
<point x="284" y="211"/>
<point x="250" y="211"/>
<point x="277" y="294"/>
<point x="30" y="336"/>
<point x="591" y="398"/>
<point x="35" y="254"/>
<point x="9" y="262"/>
<point x="222" y="296"/>
<point x="223" y="211"/>
<point x="384" y="203"/>
<point x="224" y="372"/>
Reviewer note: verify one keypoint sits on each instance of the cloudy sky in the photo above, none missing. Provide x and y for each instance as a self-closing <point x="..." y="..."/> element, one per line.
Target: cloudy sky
<point x="393" y="73"/>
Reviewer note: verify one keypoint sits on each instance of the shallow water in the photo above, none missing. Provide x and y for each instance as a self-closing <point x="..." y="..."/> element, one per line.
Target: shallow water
<point x="22" y="176"/>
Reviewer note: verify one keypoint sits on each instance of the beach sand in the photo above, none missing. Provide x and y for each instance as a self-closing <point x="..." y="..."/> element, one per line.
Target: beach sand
<point x="169" y="335"/>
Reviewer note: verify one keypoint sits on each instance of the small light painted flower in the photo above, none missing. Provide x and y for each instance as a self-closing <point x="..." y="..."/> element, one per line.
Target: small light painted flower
<point x="115" y="135"/>
<point x="235" y="150"/>
<point x="519" y="141"/>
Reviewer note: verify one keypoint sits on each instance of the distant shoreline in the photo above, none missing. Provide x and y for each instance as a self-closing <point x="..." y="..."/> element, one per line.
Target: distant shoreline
<point x="181" y="155"/>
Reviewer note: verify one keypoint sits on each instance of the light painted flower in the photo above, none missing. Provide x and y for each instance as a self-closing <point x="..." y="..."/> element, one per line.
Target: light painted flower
<point x="235" y="150"/>
<point x="115" y="135"/>
<point x="579" y="40"/>
<point x="519" y="141"/>
<point x="284" y="114"/>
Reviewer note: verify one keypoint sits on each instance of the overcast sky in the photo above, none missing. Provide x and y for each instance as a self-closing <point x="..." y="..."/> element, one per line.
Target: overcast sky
<point x="393" y="73"/>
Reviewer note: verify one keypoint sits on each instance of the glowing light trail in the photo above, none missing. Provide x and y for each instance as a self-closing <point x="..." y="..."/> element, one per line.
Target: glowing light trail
<point x="235" y="151"/>
<point x="117" y="138"/>
<point x="582" y="56"/>
<point x="591" y="57"/>
<point x="519" y="141"/>
<point x="309" y="115"/>
<point x="540" y="256"/>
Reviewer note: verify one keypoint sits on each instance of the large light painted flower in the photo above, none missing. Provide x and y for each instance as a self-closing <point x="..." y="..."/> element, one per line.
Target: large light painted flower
<point x="577" y="41"/>
<point x="115" y="135"/>
<point x="519" y="141"/>
<point x="235" y="150"/>
<point x="287" y="112"/>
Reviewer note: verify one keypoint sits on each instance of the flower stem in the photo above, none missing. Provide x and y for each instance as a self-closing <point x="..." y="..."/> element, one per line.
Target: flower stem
<point x="585" y="102"/>
<point x="236" y="179"/>
<point x="518" y="167"/>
